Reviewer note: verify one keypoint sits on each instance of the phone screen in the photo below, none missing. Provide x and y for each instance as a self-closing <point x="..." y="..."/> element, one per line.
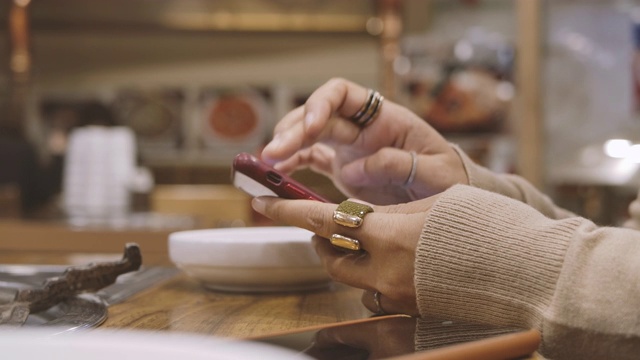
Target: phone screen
<point x="395" y="335"/>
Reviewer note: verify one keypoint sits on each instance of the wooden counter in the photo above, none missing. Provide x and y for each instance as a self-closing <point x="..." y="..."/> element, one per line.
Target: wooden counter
<point x="49" y="239"/>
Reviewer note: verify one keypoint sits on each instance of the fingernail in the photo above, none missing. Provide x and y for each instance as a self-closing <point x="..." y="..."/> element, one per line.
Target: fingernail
<point x="273" y="144"/>
<point x="258" y="204"/>
<point x="309" y="119"/>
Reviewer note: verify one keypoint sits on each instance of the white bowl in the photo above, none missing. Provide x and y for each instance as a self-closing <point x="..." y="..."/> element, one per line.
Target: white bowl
<point x="255" y="259"/>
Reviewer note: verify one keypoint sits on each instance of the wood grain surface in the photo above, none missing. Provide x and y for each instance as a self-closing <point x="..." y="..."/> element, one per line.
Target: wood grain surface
<point x="181" y="304"/>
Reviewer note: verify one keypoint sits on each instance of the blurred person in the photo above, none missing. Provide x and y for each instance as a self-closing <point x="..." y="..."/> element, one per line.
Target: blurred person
<point x="38" y="182"/>
<point x="428" y="232"/>
<point x="19" y="166"/>
<point x="96" y="113"/>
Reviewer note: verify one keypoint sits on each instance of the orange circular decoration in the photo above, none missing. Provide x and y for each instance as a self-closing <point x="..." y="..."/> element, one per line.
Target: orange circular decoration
<point x="233" y="117"/>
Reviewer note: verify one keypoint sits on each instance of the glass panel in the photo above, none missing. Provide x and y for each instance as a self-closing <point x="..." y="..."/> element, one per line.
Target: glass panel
<point x="592" y="108"/>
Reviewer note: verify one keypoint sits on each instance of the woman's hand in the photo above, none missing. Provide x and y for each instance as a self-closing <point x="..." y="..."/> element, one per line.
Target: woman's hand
<point x="371" y="163"/>
<point x="388" y="236"/>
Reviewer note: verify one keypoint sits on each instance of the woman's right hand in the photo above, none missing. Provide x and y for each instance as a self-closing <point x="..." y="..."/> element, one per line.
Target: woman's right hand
<point x="371" y="163"/>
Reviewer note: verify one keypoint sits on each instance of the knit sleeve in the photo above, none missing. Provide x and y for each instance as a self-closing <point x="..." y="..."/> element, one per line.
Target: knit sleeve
<point x="487" y="258"/>
<point x="509" y="185"/>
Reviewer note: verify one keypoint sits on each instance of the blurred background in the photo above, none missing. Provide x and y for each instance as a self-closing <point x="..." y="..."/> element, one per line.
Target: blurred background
<point x="128" y="113"/>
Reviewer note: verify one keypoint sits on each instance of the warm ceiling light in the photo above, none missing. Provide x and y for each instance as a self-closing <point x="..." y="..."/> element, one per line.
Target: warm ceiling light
<point x="617" y="148"/>
<point x="22" y="3"/>
<point x="634" y="154"/>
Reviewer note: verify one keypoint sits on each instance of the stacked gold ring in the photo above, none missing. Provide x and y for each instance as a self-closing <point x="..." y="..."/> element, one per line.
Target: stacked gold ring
<point x="350" y="214"/>
<point x="344" y="242"/>
<point x="376" y="301"/>
<point x="369" y="110"/>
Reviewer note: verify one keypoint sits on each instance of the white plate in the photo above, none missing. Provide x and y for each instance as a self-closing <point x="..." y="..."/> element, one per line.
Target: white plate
<point x="256" y="259"/>
<point x="36" y="344"/>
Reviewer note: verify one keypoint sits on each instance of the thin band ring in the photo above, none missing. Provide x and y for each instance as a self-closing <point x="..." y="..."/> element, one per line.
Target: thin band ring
<point x="412" y="172"/>
<point x="376" y="301"/>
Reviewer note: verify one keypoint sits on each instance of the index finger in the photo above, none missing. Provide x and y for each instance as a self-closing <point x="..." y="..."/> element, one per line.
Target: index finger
<point x="316" y="120"/>
<point x="336" y="96"/>
<point x="312" y="215"/>
<point x="317" y="217"/>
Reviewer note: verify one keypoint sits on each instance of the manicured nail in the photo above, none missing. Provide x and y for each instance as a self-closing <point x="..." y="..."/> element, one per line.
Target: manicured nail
<point x="258" y="204"/>
<point x="273" y="144"/>
<point x="309" y="119"/>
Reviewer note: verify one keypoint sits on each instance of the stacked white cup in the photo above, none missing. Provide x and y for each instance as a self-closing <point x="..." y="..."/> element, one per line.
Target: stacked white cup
<point x="99" y="165"/>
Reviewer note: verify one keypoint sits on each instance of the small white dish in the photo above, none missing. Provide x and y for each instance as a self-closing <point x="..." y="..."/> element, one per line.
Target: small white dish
<point x="249" y="259"/>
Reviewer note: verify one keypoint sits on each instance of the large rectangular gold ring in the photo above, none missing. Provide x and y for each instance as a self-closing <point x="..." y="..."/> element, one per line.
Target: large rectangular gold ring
<point x="351" y="214"/>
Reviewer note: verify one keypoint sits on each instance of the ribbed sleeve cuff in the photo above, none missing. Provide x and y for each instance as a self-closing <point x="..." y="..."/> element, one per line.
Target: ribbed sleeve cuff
<point x="487" y="258"/>
<point x="478" y="176"/>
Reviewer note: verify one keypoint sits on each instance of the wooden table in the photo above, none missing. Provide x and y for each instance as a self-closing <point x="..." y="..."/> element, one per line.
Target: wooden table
<point x="179" y="304"/>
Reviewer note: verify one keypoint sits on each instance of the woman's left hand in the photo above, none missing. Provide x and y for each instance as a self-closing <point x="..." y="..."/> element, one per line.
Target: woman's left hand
<point x="389" y="236"/>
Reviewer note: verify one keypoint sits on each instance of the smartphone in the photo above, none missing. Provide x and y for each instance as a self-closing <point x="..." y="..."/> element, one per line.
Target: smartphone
<point x="256" y="178"/>
<point x="392" y="336"/>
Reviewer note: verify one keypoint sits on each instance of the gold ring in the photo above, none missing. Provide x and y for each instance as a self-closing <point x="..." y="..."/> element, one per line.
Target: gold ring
<point x="376" y="301"/>
<point x="344" y="242"/>
<point x="351" y="214"/>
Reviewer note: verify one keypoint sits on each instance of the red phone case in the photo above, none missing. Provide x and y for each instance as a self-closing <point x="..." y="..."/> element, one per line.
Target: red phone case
<point x="281" y="184"/>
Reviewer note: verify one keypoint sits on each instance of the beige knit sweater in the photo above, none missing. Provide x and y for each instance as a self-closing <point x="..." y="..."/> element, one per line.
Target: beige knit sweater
<point x="500" y="252"/>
